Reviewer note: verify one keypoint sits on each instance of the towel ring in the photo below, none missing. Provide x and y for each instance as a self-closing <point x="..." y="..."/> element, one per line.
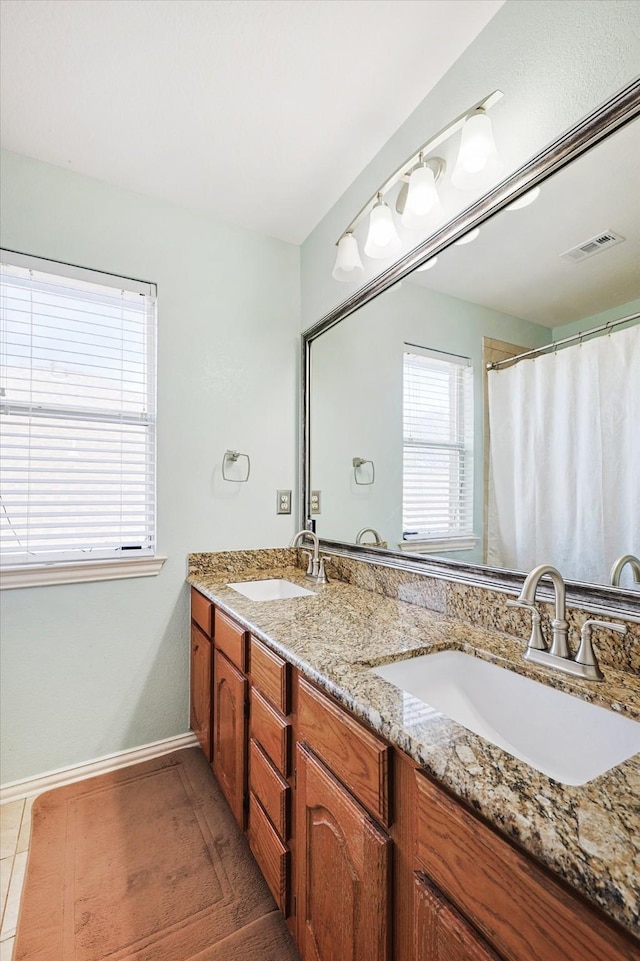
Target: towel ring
<point x="360" y="462"/>
<point x="234" y="456"/>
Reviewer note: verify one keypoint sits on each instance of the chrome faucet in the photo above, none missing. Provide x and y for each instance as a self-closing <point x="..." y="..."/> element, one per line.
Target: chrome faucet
<point x="313" y="567"/>
<point x="527" y="598"/>
<point x="369" y="530"/>
<point x="558" y="656"/>
<point x="616" y="570"/>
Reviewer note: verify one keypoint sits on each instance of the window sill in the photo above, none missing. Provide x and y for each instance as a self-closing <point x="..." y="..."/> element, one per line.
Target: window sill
<point x="437" y="546"/>
<point x="41" y="575"/>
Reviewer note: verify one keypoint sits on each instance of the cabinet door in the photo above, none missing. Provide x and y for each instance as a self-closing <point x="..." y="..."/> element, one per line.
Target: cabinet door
<point x="201" y="680"/>
<point x="343" y="871"/>
<point x="230" y="733"/>
<point x="441" y="934"/>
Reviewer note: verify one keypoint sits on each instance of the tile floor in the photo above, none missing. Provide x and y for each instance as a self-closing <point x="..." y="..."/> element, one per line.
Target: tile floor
<point x="15" y="831"/>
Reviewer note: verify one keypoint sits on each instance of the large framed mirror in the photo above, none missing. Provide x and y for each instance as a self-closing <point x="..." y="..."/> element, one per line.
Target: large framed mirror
<point x="430" y="443"/>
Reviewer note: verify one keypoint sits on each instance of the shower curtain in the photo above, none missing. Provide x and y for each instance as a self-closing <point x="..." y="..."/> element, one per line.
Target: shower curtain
<point x="564" y="478"/>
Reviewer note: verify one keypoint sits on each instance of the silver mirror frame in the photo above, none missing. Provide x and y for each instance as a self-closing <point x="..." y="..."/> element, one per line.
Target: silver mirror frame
<point x="591" y="130"/>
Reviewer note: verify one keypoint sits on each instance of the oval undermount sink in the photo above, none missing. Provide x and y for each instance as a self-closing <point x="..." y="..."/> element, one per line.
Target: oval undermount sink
<point x="271" y="589"/>
<point x="562" y="736"/>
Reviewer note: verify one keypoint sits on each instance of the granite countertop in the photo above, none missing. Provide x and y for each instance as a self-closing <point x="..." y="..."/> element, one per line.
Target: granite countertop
<point x="589" y="835"/>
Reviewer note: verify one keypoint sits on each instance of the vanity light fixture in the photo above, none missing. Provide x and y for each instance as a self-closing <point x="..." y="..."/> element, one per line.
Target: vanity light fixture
<point x="348" y="265"/>
<point x="418" y="203"/>
<point x="467" y="238"/>
<point x="525" y="200"/>
<point x="479" y="162"/>
<point x="382" y="240"/>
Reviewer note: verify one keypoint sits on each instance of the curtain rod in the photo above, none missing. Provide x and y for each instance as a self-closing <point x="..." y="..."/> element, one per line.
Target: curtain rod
<point x="566" y="340"/>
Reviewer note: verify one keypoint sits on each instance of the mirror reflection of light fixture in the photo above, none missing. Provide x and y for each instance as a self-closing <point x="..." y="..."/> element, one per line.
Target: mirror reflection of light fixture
<point x="348" y="265"/>
<point x="478" y="162"/>
<point x="428" y="264"/>
<point x="418" y="202"/>
<point x="382" y="240"/>
<point x="525" y="200"/>
<point x="467" y="238"/>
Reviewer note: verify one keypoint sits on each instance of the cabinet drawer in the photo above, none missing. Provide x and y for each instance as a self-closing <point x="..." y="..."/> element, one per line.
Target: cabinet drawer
<point x="230" y="638"/>
<point x="359" y="759"/>
<point x="270" y="788"/>
<point x="271" y="731"/>
<point x="502" y="891"/>
<point x="201" y="611"/>
<point x="270" y="853"/>
<point x="270" y="674"/>
<point x="440" y="933"/>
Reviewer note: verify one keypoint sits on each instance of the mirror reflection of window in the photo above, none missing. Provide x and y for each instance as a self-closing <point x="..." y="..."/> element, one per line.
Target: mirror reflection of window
<point x="437" y="476"/>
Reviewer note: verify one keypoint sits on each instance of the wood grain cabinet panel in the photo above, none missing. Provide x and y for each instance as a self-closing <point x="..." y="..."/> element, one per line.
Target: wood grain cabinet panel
<point x="524" y="914"/>
<point x="270" y="675"/>
<point x="202" y="611"/>
<point x="271" y="731"/>
<point x="230" y="733"/>
<point x="231" y="639"/>
<point x="343" y="871"/>
<point x="440" y="933"/>
<point x="270" y="788"/>
<point x="358" y="757"/>
<point x="270" y="853"/>
<point x="200" y="687"/>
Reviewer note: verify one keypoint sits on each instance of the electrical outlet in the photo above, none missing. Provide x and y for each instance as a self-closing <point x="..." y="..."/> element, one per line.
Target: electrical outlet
<point x="315" y="502"/>
<point x="283" y="503"/>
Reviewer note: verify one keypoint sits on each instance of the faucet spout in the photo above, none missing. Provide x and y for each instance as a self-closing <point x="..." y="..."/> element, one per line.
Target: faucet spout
<point x="560" y="626"/>
<point x="314" y="559"/>
<point x="616" y="570"/>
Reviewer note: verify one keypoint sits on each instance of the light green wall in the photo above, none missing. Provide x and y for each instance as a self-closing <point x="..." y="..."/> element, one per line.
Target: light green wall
<point x="554" y="60"/>
<point x="91" y="669"/>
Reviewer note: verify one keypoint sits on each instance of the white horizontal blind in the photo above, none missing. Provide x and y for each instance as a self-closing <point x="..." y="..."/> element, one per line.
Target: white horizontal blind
<point x="77" y="415"/>
<point x="437" y="474"/>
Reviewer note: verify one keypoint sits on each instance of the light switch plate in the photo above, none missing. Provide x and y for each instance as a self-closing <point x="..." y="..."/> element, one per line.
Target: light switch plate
<point x="315" y="502"/>
<point x="283" y="503"/>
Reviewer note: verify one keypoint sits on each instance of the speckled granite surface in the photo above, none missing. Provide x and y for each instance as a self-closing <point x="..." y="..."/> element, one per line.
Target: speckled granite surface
<point x="590" y="835"/>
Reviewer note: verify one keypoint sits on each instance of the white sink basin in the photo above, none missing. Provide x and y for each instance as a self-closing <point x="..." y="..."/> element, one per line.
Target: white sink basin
<point x="272" y="589"/>
<point x="560" y="735"/>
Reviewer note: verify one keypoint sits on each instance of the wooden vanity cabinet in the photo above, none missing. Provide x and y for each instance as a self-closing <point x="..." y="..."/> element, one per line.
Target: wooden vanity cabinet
<point x="230" y="733"/>
<point x="270" y="738"/>
<point x="344" y="871"/>
<point x="201" y="674"/>
<point x="440" y="932"/>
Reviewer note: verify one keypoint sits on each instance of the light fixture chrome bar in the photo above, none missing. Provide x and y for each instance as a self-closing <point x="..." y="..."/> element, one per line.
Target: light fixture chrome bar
<point x="566" y="340"/>
<point x="485" y="104"/>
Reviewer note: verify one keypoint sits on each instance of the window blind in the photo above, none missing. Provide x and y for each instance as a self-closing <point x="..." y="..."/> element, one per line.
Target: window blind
<point x="437" y="446"/>
<point x="77" y="414"/>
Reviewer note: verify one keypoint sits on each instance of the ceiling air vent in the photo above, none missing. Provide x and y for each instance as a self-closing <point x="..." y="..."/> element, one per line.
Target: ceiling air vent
<point x="608" y="238"/>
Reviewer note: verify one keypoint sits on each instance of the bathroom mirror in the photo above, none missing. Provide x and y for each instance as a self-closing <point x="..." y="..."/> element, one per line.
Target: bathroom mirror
<point x="537" y="274"/>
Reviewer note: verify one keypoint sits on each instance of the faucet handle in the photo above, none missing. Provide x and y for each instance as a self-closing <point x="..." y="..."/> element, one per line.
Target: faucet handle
<point x="586" y="654"/>
<point x="309" y="556"/>
<point x="322" y="574"/>
<point x="536" y="641"/>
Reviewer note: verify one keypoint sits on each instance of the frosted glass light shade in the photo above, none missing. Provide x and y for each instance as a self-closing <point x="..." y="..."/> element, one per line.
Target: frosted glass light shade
<point x="423" y="205"/>
<point x="348" y="265"/>
<point x="427" y="265"/>
<point x="382" y="239"/>
<point x="478" y="163"/>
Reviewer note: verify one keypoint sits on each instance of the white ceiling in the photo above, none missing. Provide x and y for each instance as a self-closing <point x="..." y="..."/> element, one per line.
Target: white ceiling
<point x="261" y="112"/>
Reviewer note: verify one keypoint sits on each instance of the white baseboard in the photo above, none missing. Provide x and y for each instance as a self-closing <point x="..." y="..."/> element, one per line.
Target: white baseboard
<point x="15" y="790"/>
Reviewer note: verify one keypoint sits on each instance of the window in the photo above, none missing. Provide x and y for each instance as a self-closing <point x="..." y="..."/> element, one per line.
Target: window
<point x="437" y="499"/>
<point x="77" y="415"/>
